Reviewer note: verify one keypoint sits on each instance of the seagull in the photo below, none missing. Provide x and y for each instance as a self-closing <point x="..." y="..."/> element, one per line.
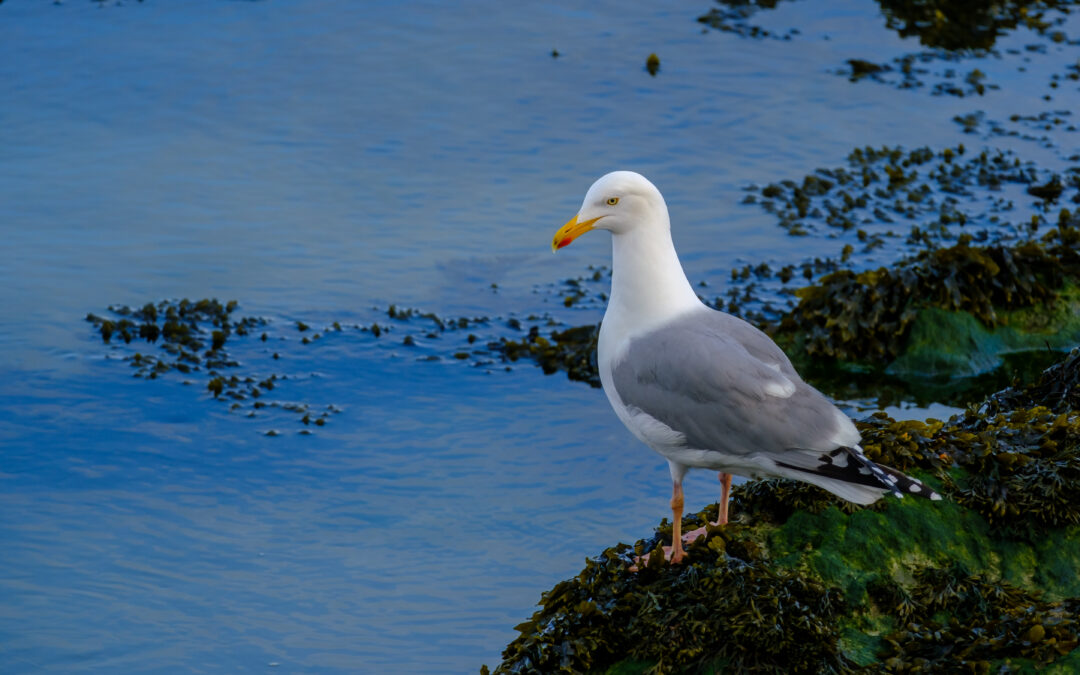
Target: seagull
<point x="703" y="388"/>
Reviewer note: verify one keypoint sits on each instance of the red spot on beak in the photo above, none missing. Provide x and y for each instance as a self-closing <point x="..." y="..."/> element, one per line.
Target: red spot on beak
<point x="565" y="242"/>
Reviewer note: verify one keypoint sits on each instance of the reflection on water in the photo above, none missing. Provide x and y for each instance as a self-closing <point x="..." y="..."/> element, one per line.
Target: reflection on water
<point x="319" y="162"/>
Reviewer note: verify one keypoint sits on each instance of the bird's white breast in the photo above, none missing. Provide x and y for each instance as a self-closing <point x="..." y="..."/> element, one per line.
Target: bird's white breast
<point x="613" y="344"/>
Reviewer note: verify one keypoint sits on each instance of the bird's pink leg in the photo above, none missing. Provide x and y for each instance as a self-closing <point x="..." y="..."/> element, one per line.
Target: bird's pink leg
<point x="725" y="492"/>
<point x="721" y="516"/>
<point x="675" y="552"/>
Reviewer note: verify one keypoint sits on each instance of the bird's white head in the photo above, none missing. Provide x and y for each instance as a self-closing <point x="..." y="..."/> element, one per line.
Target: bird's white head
<point x="619" y="202"/>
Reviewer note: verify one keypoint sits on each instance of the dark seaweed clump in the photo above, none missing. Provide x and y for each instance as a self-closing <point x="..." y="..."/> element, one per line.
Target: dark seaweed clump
<point x="1012" y="460"/>
<point x="952" y="31"/>
<point x="944" y="25"/>
<point x="572" y="350"/>
<point x="733" y="610"/>
<point x="727" y="606"/>
<point x="866" y="316"/>
<point x="967" y="26"/>
<point x="800" y="582"/>
<point x="1057" y="389"/>
<point x="191" y="338"/>
<point x="734" y="16"/>
<point x="955" y="31"/>
<point x="1019" y="470"/>
<point x="887" y="186"/>
<point x="184" y="329"/>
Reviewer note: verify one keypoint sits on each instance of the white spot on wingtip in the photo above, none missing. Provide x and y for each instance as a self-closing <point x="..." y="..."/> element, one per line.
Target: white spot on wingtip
<point x="935" y="497"/>
<point x="782" y="388"/>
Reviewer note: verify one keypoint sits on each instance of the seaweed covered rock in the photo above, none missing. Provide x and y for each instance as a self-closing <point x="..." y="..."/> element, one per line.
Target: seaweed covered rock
<point x="952" y="311"/>
<point x="1056" y="389"/>
<point x="801" y="582"/>
<point x="743" y="612"/>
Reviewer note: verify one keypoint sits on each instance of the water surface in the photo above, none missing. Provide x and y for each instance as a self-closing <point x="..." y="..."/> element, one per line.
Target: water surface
<point x="318" y="161"/>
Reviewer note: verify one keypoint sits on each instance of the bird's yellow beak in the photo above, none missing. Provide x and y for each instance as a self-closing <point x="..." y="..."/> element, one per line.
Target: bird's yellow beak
<point x="571" y="231"/>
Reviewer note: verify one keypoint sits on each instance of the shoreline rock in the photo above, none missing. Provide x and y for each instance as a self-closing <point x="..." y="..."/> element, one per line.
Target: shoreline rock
<point x="800" y="581"/>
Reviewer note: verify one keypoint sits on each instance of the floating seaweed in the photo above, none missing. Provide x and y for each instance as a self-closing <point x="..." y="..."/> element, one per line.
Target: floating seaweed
<point x="887" y="187"/>
<point x="179" y="326"/>
<point x="191" y="338"/>
<point x="734" y="16"/>
<point x="954" y="32"/>
<point x="572" y="350"/>
<point x="954" y="25"/>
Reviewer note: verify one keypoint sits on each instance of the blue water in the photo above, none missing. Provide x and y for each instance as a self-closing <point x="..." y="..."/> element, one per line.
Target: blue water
<point x="318" y="161"/>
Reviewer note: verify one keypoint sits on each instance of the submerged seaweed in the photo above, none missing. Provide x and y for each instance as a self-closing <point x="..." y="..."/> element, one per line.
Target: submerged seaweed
<point x="953" y="32"/>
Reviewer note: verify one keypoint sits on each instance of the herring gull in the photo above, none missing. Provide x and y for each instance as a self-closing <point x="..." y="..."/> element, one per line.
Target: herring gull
<point x="703" y="388"/>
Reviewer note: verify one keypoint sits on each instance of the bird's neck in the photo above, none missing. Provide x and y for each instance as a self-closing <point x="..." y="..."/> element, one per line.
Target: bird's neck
<point x="647" y="279"/>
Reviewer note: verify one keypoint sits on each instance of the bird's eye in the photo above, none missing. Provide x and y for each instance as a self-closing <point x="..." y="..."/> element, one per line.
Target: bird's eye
<point x="612" y="201"/>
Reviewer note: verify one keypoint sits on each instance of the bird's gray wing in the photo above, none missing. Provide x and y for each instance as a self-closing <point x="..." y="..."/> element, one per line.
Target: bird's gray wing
<point x="757" y="343"/>
<point x="726" y="386"/>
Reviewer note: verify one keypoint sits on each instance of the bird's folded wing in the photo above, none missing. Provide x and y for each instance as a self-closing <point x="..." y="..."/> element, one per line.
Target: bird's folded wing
<point x="702" y="381"/>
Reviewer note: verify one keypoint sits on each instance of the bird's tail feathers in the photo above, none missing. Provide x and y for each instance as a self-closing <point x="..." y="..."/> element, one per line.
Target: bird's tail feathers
<point x="847" y="473"/>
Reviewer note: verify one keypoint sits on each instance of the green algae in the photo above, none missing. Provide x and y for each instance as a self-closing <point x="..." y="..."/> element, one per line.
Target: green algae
<point x="826" y="592"/>
<point x="956" y="343"/>
<point x="803" y="582"/>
